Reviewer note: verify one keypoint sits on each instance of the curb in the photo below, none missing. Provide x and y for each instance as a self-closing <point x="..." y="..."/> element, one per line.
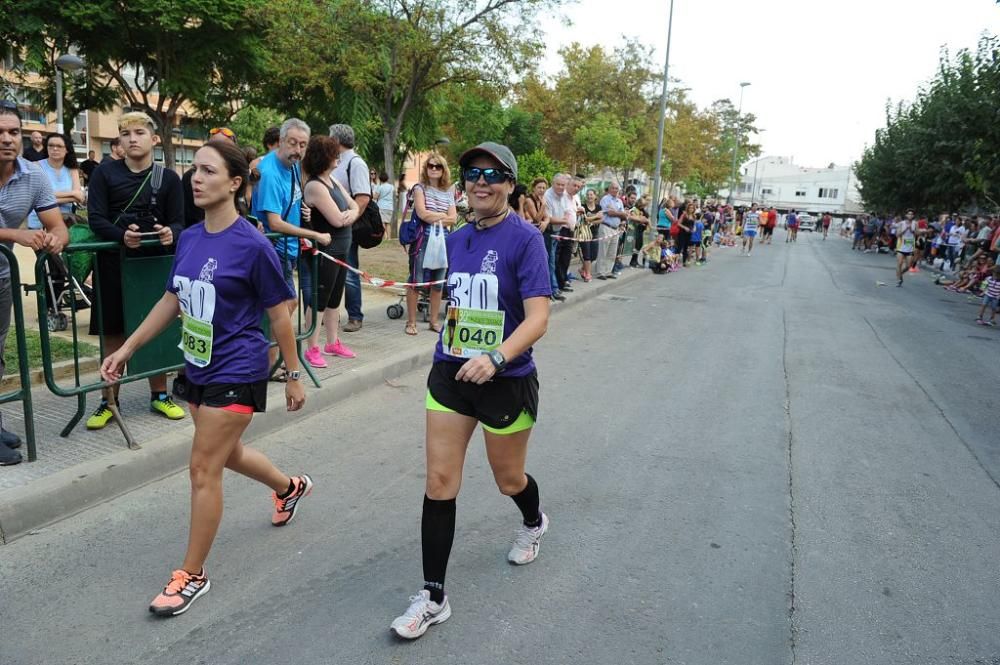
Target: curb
<point x="70" y="491"/>
<point x="61" y="370"/>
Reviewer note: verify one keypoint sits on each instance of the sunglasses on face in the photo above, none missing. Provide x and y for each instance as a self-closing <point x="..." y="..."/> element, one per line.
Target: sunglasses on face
<point x="491" y="176"/>
<point x="434" y="166"/>
<point x="225" y="131"/>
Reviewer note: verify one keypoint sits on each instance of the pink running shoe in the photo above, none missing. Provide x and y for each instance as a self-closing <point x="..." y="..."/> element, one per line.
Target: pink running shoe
<point x="315" y="358"/>
<point x="338" y="349"/>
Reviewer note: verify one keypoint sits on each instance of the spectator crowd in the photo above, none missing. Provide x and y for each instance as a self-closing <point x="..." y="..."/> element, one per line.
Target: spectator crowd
<point x="315" y="191"/>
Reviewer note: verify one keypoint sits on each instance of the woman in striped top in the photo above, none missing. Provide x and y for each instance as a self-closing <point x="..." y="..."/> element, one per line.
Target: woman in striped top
<point x="433" y="202"/>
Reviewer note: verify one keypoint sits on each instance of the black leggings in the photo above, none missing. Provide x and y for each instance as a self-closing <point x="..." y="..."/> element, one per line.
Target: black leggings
<point x="683" y="242"/>
<point x="330" y="282"/>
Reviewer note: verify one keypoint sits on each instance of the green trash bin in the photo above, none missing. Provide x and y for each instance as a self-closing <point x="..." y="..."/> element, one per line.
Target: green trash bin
<point x="144" y="281"/>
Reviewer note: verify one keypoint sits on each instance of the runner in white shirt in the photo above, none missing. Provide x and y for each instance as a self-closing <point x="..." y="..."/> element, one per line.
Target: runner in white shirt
<point x="751" y="220"/>
<point x="906" y="232"/>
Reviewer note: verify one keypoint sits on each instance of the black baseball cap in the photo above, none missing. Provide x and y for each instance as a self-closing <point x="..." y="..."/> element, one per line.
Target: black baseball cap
<point x="501" y="153"/>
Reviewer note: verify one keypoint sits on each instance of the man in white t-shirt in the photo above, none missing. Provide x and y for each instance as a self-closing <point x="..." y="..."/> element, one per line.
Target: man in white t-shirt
<point x="562" y="215"/>
<point x="352" y="172"/>
<point x="956" y="240"/>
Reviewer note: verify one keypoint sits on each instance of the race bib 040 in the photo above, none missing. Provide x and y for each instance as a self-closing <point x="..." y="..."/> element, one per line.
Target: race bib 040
<point x="472" y="332"/>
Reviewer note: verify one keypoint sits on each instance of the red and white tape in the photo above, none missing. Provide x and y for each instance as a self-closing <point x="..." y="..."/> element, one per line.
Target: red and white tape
<point x="378" y="281"/>
<point x="573" y="239"/>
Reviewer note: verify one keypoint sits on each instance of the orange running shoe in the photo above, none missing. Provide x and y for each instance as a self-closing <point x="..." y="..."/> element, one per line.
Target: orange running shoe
<point x="284" y="509"/>
<point x="179" y="593"/>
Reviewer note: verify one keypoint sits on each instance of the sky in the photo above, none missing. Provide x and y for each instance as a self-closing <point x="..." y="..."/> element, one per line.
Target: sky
<point x="820" y="72"/>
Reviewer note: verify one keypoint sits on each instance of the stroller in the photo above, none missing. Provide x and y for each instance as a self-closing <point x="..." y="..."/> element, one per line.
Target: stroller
<point x="61" y="289"/>
<point x="398" y="309"/>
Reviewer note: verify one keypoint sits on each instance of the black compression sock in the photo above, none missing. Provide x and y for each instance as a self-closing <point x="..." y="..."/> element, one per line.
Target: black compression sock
<point x="157" y="396"/>
<point x="527" y="501"/>
<point x="437" y="532"/>
<point x="288" y="492"/>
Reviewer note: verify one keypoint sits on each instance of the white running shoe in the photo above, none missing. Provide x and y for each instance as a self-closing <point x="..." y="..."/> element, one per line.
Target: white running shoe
<point x="420" y="615"/>
<point x="525" y="547"/>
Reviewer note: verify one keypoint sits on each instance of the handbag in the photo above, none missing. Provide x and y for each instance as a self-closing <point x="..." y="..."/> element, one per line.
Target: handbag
<point x="409" y="229"/>
<point x="436" y="250"/>
<point x="583" y="233"/>
<point x="368" y="231"/>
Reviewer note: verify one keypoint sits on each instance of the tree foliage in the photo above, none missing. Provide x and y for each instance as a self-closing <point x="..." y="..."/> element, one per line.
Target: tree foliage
<point x="603" y="109"/>
<point x="157" y="56"/>
<point x="398" y="58"/>
<point x="939" y="152"/>
<point x="536" y="164"/>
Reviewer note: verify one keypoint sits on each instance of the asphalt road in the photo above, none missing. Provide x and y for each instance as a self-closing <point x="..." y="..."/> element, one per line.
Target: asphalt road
<point x="766" y="460"/>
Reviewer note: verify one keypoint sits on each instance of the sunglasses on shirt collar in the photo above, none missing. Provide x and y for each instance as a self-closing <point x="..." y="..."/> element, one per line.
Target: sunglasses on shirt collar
<point x="491" y="176"/>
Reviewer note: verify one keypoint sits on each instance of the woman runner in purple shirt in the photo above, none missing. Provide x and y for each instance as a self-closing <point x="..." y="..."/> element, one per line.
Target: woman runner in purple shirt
<point x="483" y="372"/>
<point x="225" y="276"/>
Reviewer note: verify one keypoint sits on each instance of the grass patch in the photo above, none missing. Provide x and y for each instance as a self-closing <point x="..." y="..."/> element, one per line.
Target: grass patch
<point x="62" y="349"/>
<point x="388" y="260"/>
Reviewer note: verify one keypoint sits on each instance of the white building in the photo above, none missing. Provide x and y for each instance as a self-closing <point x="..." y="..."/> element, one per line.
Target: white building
<point x="778" y="182"/>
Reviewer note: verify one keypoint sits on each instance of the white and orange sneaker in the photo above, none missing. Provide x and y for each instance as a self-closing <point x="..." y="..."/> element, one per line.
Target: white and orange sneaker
<point x="284" y="509"/>
<point x="180" y="592"/>
<point x="420" y="615"/>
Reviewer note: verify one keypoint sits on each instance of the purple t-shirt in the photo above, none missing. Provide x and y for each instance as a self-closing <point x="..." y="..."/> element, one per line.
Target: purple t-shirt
<point x="497" y="269"/>
<point x="228" y="280"/>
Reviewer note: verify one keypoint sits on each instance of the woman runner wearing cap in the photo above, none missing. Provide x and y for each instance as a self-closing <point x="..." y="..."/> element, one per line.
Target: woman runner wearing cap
<point x="225" y="275"/>
<point x="483" y="372"/>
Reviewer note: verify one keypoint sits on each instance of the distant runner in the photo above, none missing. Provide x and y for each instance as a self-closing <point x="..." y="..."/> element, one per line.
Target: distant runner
<point x="751" y="222"/>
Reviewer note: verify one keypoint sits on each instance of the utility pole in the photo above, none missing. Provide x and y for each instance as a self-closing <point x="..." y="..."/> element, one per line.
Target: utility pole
<point x="736" y="143"/>
<point x="655" y="202"/>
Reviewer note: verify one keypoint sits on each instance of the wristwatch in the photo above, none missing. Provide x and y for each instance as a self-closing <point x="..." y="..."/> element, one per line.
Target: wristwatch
<point x="499" y="362"/>
<point x="295" y="375"/>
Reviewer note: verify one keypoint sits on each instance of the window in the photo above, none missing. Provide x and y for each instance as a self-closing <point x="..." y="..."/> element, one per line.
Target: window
<point x="24" y="106"/>
<point x="827" y="193"/>
<point x="767" y="191"/>
<point x="800" y="193"/>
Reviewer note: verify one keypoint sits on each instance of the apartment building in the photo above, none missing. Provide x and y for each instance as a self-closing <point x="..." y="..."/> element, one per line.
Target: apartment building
<point x="779" y="182"/>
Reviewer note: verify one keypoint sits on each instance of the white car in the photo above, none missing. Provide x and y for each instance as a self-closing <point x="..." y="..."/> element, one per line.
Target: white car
<point x="807" y="222"/>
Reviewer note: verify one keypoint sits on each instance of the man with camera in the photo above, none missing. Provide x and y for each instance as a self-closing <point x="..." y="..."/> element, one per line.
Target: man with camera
<point x="131" y="200"/>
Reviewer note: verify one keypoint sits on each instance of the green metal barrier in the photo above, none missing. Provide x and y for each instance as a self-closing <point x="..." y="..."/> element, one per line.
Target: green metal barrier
<point x="22" y="394"/>
<point x="144" y="280"/>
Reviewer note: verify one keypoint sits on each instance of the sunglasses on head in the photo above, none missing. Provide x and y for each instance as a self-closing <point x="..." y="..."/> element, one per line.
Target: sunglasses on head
<point x="491" y="176"/>
<point x="225" y="131"/>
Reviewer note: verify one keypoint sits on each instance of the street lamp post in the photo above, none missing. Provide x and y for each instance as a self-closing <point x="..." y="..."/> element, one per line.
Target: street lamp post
<point x="655" y="202"/>
<point x="69" y="63"/>
<point x="736" y="143"/>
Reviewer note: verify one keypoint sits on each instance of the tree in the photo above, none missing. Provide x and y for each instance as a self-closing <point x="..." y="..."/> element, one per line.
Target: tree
<point x="732" y="125"/>
<point x="250" y="123"/>
<point x="399" y="57"/>
<point x="536" y="164"/>
<point x="471" y="114"/>
<point x="164" y="57"/>
<point x="939" y="151"/>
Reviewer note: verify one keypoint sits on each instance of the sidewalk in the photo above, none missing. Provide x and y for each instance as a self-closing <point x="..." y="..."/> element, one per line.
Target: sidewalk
<point x="86" y="468"/>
